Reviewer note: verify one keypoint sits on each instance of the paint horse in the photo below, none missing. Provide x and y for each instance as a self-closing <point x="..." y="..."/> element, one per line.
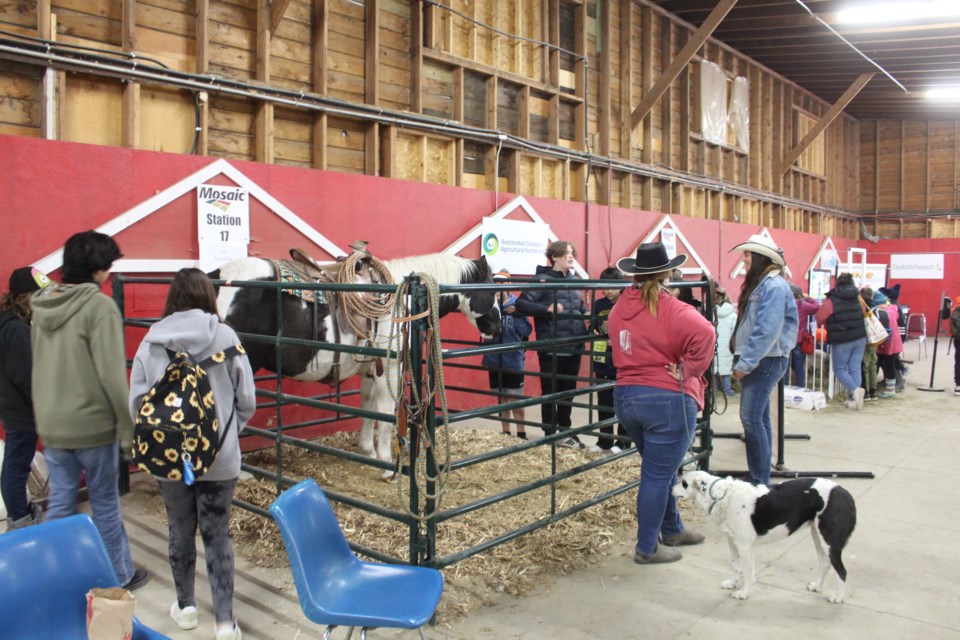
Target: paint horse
<point x="254" y="311"/>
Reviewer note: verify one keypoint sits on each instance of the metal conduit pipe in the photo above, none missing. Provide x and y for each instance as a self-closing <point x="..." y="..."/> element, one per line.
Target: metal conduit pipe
<point x="49" y="55"/>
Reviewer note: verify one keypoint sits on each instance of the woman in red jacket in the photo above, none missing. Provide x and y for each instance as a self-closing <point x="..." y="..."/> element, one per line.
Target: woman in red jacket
<point x="661" y="349"/>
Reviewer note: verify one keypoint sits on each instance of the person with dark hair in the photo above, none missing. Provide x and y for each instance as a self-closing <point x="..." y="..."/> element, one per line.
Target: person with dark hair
<point x="889" y="352"/>
<point x="557" y="314"/>
<point x="661" y="348"/>
<point x="16" y="396"/>
<point x="868" y="369"/>
<point x="842" y="313"/>
<point x="601" y="362"/>
<point x="190" y="323"/>
<point x="505" y="370"/>
<point x="80" y="363"/>
<point x="766" y="332"/>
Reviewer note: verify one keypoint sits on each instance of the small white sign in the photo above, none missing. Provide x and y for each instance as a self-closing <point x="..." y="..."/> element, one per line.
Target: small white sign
<point x="916" y="266"/>
<point x="669" y="239"/>
<point x="514" y="245"/>
<point x="223" y="224"/>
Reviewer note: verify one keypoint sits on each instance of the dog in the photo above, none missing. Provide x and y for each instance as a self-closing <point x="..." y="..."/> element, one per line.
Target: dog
<point x="748" y="514"/>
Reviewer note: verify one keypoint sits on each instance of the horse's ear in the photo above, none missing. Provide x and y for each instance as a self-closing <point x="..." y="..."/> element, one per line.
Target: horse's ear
<point x="484" y="265"/>
<point x="214" y="275"/>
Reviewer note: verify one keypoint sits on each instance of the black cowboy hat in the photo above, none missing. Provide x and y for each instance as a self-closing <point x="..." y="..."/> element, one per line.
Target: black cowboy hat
<point x="651" y="258"/>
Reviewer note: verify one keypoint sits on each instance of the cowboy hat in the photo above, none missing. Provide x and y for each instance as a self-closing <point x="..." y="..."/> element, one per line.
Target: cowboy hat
<point x="764" y="246"/>
<point x="651" y="257"/>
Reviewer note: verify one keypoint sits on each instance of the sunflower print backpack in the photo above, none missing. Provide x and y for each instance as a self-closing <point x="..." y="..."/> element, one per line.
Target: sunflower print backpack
<point x="176" y="434"/>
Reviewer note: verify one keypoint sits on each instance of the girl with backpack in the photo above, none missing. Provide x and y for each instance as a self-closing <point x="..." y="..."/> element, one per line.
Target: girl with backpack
<point x="190" y="323"/>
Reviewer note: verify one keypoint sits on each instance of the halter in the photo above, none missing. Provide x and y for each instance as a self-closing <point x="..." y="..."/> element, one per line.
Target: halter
<point x="715" y="499"/>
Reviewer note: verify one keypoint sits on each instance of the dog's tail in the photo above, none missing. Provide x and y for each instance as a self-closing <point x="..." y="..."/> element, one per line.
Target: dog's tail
<point x="836" y="524"/>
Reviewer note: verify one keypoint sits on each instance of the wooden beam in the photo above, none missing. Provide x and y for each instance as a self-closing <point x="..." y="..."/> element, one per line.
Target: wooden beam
<point x="264" y="109"/>
<point x="676" y="66"/>
<point x="319" y="57"/>
<point x="130" y="118"/>
<point x="371" y="65"/>
<point x="603" y="102"/>
<point x="52" y="79"/>
<point x="277" y="9"/>
<point x="202" y="64"/>
<point x="825" y="121"/>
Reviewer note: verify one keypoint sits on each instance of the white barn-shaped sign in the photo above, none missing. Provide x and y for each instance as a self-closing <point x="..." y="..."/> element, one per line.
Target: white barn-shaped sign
<point x="655" y="234"/>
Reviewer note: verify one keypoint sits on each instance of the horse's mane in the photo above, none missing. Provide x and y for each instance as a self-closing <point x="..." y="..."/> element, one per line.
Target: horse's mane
<point x="445" y="268"/>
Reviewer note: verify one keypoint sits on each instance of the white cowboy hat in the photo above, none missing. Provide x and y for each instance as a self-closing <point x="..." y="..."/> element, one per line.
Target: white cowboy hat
<point x="764" y="246"/>
<point x="650" y="258"/>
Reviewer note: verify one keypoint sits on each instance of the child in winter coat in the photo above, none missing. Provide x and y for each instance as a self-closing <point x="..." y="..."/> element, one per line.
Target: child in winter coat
<point x="601" y="361"/>
<point x="506" y="368"/>
<point x="726" y="322"/>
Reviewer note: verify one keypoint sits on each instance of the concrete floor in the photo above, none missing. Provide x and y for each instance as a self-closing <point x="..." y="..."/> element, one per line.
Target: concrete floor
<point x="903" y="559"/>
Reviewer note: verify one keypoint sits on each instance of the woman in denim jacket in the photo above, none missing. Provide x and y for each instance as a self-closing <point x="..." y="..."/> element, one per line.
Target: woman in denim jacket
<point x="766" y="332"/>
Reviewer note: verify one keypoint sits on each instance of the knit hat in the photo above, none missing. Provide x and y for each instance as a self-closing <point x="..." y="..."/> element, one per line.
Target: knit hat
<point x="879" y="299"/>
<point x="797" y="291"/>
<point x="27" y="280"/>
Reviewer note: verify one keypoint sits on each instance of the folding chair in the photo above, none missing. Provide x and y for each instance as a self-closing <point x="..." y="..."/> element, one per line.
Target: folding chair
<point x="335" y="587"/>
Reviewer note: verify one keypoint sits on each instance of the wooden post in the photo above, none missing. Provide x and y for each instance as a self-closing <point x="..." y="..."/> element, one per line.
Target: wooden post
<point x="319" y="57"/>
<point x="130" y="124"/>
<point x="264" y="121"/>
<point x="202" y="38"/>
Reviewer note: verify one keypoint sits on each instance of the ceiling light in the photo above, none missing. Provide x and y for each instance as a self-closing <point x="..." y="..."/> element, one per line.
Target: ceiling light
<point x="898" y="12"/>
<point x="944" y="94"/>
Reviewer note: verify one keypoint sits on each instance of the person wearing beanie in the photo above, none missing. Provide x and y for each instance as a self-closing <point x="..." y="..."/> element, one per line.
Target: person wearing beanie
<point x="868" y="366"/>
<point x="955" y="334"/>
<point x="16" y="397"/>
<point x="80" y="361"/>
<point x="889" y="351"/>
<point x="843" y="316"/>
<point x="601" y="363"/>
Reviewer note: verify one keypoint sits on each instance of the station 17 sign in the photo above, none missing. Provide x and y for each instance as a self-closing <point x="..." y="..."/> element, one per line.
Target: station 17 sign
<point x="223" y="224"/>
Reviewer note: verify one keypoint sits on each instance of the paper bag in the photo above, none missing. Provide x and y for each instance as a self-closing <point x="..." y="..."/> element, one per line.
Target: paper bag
<point x="110" y="614"/>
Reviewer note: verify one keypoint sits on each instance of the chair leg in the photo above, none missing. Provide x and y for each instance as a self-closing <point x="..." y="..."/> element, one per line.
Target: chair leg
<point x="420" y="631"/>
<point x="328" y="631"/>
<point x="350" y="632"/>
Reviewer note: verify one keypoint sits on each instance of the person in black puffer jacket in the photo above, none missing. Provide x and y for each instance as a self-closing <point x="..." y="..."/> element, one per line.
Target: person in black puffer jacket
<point x="16" y="397"/>
<point x="842" y="313"/>
<point x="557" y="314"/>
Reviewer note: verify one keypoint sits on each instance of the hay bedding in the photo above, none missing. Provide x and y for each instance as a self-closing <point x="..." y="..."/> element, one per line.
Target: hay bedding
<point x="514" y="568"/>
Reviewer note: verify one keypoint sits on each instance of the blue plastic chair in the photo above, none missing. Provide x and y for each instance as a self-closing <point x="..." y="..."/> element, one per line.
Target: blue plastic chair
<point x="47" y="570"/>
<point x="335" y="587"/>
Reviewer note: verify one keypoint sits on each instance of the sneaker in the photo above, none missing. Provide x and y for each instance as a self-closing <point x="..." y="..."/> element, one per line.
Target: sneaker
<point x="684" y="538"/>
<point x="597" y="449"/>
<point x="850" y="404"/>
<point x="730" y="394"/>
<point x="956" y="390"/>
<point x="615" y="449"/>
<point x="230" y="633"/>
<point x="858" y="395"/>
<point x="660" y="555"/>
<point x="569" y="443"/>
<point x="522" y="435"/>
<point x="871" y="396"/>
<point x="185" y="618"/>
<point x="140" y="578"/>
<point x="887" y="393"/>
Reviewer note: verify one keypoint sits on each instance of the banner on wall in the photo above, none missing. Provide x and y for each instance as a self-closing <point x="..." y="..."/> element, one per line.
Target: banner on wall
<point x="865" y="275"/>
<point x="223" y="224"/>
<point x="515" y="245"/>
<point x="916" y="266"/>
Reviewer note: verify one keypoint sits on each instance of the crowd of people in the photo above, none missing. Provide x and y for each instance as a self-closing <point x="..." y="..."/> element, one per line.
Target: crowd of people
<point x="68" y="339"/>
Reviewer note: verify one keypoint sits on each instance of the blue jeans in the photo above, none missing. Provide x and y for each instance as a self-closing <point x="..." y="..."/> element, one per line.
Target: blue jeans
<point x="798" y="364"/>
<point x="101" y="465"/>
<point x="18" y="453"/>
<point x="845" y="359"/>
<point x="755" y="416"/>
<point x="662" y="424"/>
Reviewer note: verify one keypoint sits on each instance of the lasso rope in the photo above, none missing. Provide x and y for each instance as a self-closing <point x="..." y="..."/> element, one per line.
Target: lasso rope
<point x="417" y="405"/>
<point x="358" y="304"/>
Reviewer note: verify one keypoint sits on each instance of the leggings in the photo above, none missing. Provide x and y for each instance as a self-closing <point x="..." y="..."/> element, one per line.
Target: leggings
<point x="206" y="503"/>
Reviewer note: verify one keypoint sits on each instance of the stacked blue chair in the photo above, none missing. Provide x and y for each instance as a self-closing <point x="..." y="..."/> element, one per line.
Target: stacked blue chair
<point x="335" y="587"/>
<point x="47" y="570"/>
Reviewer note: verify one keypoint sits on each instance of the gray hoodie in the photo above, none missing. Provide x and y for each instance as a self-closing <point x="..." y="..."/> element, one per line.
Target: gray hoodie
<point x="201" y="335"/>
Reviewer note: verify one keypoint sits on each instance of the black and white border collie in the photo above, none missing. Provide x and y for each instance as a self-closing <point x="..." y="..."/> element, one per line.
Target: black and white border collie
<point x="748" y="514"/>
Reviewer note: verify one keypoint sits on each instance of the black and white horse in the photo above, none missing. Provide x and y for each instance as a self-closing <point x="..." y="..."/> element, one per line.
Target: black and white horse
<point x="254" y="311"/>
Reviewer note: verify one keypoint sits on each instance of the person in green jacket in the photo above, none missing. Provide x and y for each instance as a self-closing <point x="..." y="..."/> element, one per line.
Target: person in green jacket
<point x="80" y="393"/>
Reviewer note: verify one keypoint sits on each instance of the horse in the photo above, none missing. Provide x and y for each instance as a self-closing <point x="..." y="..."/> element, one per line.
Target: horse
<point x="254" y="311"/>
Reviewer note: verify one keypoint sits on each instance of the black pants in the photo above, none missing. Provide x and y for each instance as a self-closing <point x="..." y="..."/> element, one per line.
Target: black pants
<point x="207" y="504"/>
<point x="560" y="365"/>
<point x="18" y="453"/>
<point x="605" y="411"/>
<point x="956" y="361"/>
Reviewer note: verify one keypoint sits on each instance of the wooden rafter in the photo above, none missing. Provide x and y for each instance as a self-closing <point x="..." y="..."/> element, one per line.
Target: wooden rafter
<point x="825" y="121"/>
<point x="277" y="9"/>
<point x="677" y="65"/>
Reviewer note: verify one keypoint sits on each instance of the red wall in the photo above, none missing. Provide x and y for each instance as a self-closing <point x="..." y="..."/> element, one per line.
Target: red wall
<point x="50" y="190"/>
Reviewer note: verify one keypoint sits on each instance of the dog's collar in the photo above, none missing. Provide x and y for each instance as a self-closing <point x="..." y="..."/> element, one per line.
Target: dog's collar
<point x="714" y="499"/>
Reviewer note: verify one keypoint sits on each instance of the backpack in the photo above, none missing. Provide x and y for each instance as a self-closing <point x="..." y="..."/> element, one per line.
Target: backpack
<point x="176" y="434"/>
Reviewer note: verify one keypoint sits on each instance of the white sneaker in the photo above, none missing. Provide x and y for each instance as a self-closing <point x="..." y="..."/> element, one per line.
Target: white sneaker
<point x="230" y="633"/>
<point x="615" y="449"/>
<point x="858" y="395"/>
<point x="956" y="390"/>
<point x="596" y="449"/>
<point x="569" y="443"/>
<point x="186" y="618"/>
